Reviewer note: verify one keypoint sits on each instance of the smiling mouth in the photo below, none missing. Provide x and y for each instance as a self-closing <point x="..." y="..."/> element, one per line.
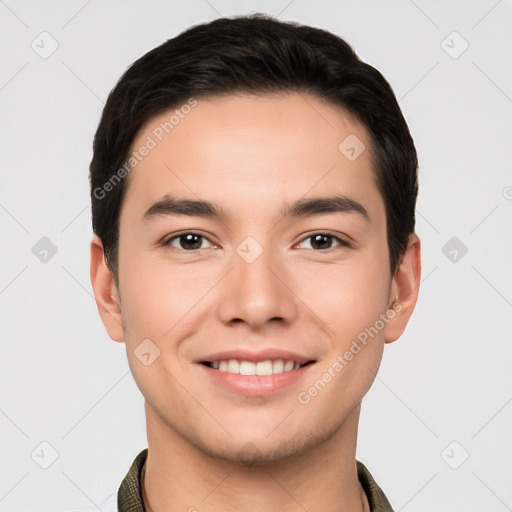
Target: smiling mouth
<point x="268" y="367"/>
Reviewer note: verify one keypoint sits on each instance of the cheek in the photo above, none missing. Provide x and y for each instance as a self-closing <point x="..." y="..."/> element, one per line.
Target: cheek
<point x="159" y="299"/>
<point x="351" y="304"/>
<point x="348" y="298"/>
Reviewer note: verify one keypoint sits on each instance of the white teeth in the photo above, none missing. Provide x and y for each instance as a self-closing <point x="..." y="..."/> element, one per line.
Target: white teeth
<point x="278" y="366"/>
<point x="247" y="368"/>
<point x="233" y="366"/>
<point x="267" y="367"/>
<point x="288" y="367"/>
<point x="264" y="368"/>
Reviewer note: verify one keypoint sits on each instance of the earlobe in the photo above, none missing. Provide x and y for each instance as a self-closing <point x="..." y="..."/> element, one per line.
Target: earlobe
<point x="106" y="293"/>
<point x="405" y="287"/>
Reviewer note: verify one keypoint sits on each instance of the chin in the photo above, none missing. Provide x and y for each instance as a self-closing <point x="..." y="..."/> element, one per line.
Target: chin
<point x="251" y="450"/>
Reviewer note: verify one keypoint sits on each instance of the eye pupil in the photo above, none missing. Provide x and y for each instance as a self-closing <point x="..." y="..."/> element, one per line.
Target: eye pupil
<point x="190" y="239"/>
<point x="319" y="240"/>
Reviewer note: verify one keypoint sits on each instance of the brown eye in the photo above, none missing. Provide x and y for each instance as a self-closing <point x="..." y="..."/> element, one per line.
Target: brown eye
<point x="323" y="241"/>
<point x="187" y="241"/>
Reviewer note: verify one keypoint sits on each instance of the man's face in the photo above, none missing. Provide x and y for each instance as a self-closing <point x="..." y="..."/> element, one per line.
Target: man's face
<point x="251" y="284"/>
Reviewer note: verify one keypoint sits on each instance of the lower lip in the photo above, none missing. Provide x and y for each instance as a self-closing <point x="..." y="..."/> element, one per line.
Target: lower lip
<point x="255" y="385"/>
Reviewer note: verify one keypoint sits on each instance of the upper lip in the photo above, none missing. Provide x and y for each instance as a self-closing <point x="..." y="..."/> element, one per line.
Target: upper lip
<point x="256" y="356"/>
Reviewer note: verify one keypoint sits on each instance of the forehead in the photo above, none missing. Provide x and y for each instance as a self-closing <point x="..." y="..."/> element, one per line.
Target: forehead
<point x="247" y="151"/>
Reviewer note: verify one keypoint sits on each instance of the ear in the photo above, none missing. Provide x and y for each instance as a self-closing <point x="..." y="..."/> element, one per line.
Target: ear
<point x="404" y="289"/>
<point x="105" y="292"/>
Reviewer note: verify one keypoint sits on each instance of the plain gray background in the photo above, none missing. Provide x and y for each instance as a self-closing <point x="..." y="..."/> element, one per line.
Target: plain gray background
<point x="443" y="392"/>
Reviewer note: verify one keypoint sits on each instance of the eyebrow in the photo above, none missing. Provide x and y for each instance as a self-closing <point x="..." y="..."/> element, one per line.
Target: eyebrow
<point x="301" y="208"/>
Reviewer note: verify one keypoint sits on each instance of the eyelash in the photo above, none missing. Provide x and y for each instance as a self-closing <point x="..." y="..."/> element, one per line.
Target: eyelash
<point x="342" y="242"/>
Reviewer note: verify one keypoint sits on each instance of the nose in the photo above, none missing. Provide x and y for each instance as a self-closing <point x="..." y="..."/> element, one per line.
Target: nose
<point x="258" y="292"/>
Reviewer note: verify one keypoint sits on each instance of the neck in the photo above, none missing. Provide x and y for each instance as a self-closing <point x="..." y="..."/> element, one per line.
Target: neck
<point x="178" y="476"/>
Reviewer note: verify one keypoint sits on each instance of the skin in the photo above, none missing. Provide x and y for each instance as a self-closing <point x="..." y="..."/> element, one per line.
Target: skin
<point x="251" y="155"/>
